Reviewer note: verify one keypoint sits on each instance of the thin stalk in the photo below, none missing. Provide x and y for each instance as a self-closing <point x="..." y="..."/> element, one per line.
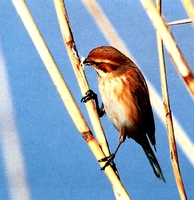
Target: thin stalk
<point x="75" y="60"/>
<point x="179" y="22"/>
<point x="169" y="122"/>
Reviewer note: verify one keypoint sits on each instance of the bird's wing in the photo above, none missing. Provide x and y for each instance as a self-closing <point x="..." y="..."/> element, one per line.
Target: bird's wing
<point x="143" y="102"/>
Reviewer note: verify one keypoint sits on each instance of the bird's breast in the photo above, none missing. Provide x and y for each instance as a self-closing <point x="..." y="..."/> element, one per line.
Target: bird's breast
<point x="116" y="95"/>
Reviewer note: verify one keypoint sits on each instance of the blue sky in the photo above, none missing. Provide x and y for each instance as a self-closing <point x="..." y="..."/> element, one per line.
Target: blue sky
<point x="57" y="164"/>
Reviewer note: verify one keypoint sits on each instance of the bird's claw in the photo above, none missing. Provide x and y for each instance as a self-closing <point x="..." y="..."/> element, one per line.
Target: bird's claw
<point x="108" y="160"/>
<point x="89" y="95"/>
<point x="92" y="95"/>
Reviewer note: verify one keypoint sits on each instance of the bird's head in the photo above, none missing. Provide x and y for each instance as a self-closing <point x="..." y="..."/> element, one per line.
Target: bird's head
<point x="105" y="59"/>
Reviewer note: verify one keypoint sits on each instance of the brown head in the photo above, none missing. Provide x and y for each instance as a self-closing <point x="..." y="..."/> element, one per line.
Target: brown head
<point x="106" y="59"/>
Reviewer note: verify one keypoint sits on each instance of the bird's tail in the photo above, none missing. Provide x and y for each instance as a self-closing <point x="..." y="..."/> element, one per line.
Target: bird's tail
<point x="153" y="161"/>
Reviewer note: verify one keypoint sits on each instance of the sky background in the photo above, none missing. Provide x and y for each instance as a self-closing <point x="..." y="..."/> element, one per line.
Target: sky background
<point x="54" y="160"/>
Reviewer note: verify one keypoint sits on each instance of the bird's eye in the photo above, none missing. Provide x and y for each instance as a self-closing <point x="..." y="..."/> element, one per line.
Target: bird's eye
<point x="95" y="64"/>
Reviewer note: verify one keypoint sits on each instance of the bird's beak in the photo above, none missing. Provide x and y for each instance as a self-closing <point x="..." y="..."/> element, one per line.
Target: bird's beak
<point x="86" y="62"/>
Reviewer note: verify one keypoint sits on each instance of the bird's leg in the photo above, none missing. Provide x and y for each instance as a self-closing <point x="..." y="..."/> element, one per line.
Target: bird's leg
<point x="91" y="95"/>
<point x="109" y="159"/>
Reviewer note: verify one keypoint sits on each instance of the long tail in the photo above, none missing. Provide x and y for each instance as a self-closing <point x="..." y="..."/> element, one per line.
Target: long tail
<point x="153" y="161"/>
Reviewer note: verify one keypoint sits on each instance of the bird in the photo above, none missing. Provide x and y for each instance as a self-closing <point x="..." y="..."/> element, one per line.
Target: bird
<point x="125" y="97"/>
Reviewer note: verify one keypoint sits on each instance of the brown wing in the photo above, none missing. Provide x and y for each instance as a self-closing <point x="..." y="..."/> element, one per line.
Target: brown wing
<point x="143" y="102"/>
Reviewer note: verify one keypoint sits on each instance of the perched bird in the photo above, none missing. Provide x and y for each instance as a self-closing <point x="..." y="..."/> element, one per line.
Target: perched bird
<point x="126" y="101"/>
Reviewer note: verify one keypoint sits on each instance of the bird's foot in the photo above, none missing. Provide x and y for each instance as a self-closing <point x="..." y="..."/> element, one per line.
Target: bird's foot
<point x="108" y="161"/>
<point x="92" y="95"/>
<point x="89" y="95"/>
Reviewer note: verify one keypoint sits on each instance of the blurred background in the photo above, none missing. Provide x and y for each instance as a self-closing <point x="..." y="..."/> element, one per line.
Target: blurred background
<point x="42" y="155"/>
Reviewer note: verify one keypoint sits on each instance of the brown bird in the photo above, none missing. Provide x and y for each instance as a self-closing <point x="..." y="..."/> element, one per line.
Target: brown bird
<point x="126" y="101"/>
